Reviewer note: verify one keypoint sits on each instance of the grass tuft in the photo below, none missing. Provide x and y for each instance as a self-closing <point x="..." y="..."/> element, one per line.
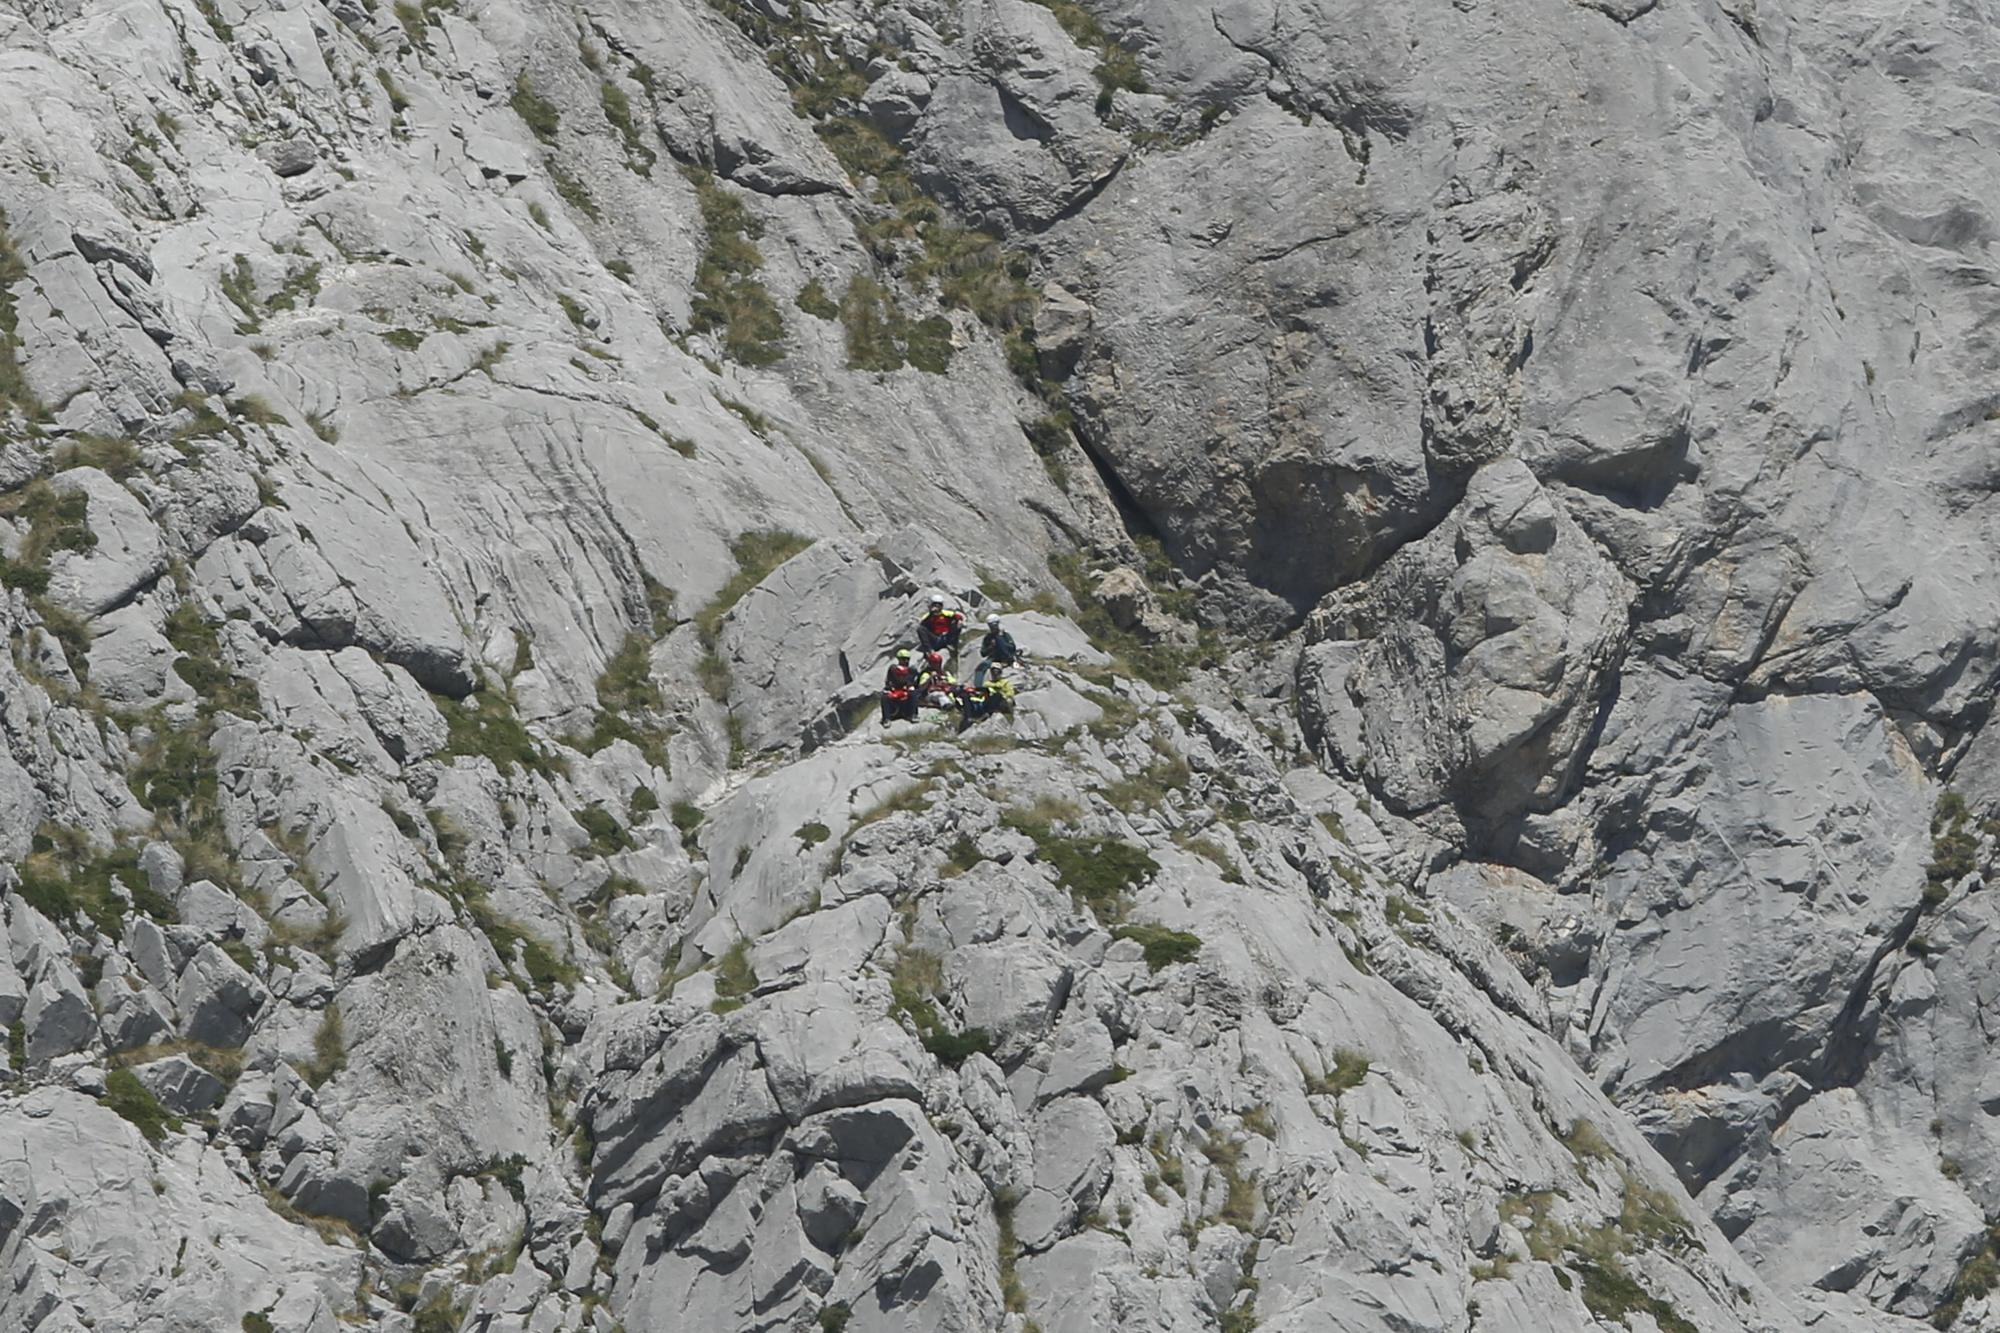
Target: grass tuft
<point x="1348" y="1070"/>
<point x="880" y="337"/>
<point x="1100" y="873"/>
<point x="484" y="725"/>
<point x="126" y="1095"/>
<point x="329" y="1055"/>
<point x="1163" y="947"/>
<point x="757" y="555"/>
<point x="537" y="112"/>
<point x="1953" y="849"/>
<point x="815" y="301"/>
<point x="15" y="392"/>
<point x="735" y="978"/>
<point x="618" y="111"/>
<point x="729" y="298"/>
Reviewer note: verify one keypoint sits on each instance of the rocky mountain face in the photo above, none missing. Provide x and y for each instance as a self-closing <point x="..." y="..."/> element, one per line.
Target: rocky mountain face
<point x="1492" y="839"/>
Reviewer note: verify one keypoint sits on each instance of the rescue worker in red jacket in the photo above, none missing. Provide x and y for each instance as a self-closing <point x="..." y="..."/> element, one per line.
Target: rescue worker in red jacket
<point x="939" y="630"/>
<point x="899" y="690"/>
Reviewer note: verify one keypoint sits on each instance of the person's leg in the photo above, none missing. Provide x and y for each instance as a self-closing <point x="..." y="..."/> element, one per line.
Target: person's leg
<point x="979" y="673"/>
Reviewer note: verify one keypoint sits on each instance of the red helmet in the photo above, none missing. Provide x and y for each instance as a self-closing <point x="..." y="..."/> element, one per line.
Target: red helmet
<point x="933" y="660"/>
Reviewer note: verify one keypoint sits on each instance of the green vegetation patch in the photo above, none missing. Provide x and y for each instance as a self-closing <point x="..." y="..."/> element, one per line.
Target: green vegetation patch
<point x="607" y="835"/>
<point x="629" y="703"/>
<point x="729" y="298"/>
<point x="485" y="725"/>
<point x="56" y="521"/>
<point x="1117" y="69"/>
<point x="902" y="227"/>
<point x="1348" y="1070"/>
<point x="125" y="1094"/>
<point x="511" y="941"/>
<point x="506" y="1172"/>
<point x="574" y="193"/>
<point x="15" y="394"/>
<point x="217" y="688"/>
<point x="1151" y="785"/>
<point x="1399" y="911"/>
<point x="1165" y="665"/>
<point x="881" y="338"/>
<point x="757" y="555"/>
<point x="1954" y="848"/>
<point x="1163" y="947"/>
<point x="914" y="988"/>
<point x="64" y="880"/>
<point x="329" y="1055"/>
<point x="1211" y="850"/>
<point x="1240" y="1195"/>
<point x="1611" y="1293"/>
<point x="399" y="101"/>
<point x="627" y="683"/>
<point x="1647" y="1218"/>
<point x="735" y="978"/>
<point x="618" y="111"/>
<point x="536" y="112"/>
<point x="115" y="456"/>
<point x="964" y="855"/>
<point x="439" y="1314"/>
<point x="1976" y="1278"/>
<point x="1100" y="873"/>
<point x="814" y="299"/>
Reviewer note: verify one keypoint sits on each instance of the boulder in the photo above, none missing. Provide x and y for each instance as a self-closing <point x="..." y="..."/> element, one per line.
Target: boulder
<point x="289" y="157"/>
<point x="217" y="999"/>
<point x="58" y="1017"/>
<point x="1486" y="648"/>
<point x="181" y="1085"/>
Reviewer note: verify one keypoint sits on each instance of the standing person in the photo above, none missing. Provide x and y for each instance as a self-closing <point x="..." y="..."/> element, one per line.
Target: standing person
<point x="899" y="690"/>
<point x="939" y="630"/>
<point x="996" y="649"/>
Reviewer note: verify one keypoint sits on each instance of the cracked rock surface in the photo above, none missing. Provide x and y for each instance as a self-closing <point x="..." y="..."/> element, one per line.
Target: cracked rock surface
<point x="1494" y="830"/>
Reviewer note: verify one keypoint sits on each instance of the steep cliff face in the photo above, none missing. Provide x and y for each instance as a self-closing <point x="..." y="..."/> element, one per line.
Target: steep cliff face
<point x="1492" y="835"/>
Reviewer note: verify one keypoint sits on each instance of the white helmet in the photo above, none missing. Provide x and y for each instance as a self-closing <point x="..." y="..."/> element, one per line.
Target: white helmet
<point x="937" y="601"/>
<point x="993" y="621"/>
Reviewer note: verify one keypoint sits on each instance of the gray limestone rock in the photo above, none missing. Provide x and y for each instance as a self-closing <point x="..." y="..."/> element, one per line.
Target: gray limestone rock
<point x="125" y="553"/>
<point x="289" y="157"/>
<point x="829" y="1207"/>
<point x="217" y="999"/>
<point x="57" y="1017"/>
<point x="130" y="1018"/>
<point x="1488" y="647"/>
<point x="66" y="1158"/>
<point x="181" y="1085"/>
<point x="1570" y="424"/>
<point x="897" y="100"/>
